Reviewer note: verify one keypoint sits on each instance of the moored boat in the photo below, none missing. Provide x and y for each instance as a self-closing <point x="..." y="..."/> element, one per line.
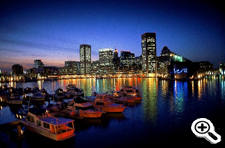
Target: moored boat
<point x="14" y="99"/>
<point x="103" y="103"/>
<point x="59" y="94"/>
<point x="84" y="110"/>
<point x="73" y="91"/>
<point x="39" y="121"/>
<point x="130" y="91"/>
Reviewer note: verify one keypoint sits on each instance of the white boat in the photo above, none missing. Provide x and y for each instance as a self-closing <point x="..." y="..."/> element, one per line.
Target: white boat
<point x="103" y="103"/>
<point x="41" y="122"/>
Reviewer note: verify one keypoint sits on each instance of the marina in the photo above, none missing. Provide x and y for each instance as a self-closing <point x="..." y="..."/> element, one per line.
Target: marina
<point x="166" y="108"/>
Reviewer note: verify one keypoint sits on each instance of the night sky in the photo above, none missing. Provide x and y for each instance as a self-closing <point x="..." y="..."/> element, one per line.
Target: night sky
<point x="52" y="31"/>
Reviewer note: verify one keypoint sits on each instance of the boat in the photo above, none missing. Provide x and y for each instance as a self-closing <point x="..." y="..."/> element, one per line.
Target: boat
<point x="36" y="97"/>
<point x="39" y="121"/>
<point x="103" y="103"/>
<point x="130" y="91"/>
<point x="83" y="110"/>
<point x="73" y="91"/>
<point x="14" y="99"/>
<point x="59" y="94"/>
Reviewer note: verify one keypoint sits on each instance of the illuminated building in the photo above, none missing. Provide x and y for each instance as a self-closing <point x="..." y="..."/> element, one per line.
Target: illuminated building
<point x="17" y="69"/>
<point x="95" y="67"/>
<point x="222" y="69"/>
<point x="170" y="56"/>
<point x="71" y="67"/>
<point x="167" y="58"/>
<point x="148" y="43"/>
<point x="38" y="63"/>
<point x="85" y="59"/>
<point x="106" y="56"/>
<point x="126" y="58"/>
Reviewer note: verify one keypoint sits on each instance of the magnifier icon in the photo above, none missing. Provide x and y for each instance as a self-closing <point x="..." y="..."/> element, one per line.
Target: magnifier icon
<point x="203" y="128"/>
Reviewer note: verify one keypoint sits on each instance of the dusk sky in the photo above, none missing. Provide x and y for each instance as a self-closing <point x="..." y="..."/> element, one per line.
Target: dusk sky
<point x="53" y="31"/>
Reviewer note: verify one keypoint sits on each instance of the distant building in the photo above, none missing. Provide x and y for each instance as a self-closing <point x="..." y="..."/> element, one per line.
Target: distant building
<point x="38" y="63"/>
<point x="148" y="43"/>
<point x="167" y="58"/>
<point x="127" y="58"/>
<point x="71" y="67"/>
<point x="222" y="69"/>
<point x="17" y="69"/>
<point x="115" y="54"/>
<point x="106" y="56"/>
<point x="50" y="70"/>
<point x="170" y="56"/>
<point x="85" y="59"/>
<point x="72" y="64"/>
<point x="95" y="68"/>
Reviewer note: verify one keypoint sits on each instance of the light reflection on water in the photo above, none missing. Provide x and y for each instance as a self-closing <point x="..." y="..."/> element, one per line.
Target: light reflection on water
<point x="165" y="105"/>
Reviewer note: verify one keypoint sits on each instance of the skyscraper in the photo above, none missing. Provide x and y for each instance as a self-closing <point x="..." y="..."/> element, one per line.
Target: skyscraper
<point x="148" y="43"/>
<point x="115" y="54"/>
<point x="106" y="56"/>
<point x="85" y="59"/>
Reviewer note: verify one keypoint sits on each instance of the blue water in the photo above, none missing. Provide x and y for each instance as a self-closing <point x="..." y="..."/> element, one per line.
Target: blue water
<point x="163" y="117"/>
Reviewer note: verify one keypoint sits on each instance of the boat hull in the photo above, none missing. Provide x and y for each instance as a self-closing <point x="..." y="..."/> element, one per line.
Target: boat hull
<point x="46" y="133"/>
<point x="14" y="102"/>
<point x="110" y="109"/>
<point x="90" y="114"/>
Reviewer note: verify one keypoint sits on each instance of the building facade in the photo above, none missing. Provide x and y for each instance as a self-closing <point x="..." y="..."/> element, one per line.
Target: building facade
<point x="148" y="43"/>
<point x="85" y="59"/>
<point x="127" y="58"/>
<point x="106" y="56"/>
<point x="71" y="67"/>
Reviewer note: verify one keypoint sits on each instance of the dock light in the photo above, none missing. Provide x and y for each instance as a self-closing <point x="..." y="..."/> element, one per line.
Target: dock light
<point x="0" y="107"/>
<point x="0" y="99"/>
<point x="17" y="116"/>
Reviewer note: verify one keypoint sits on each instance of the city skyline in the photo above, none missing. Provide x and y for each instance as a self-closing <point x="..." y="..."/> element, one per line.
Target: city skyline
<point x="53" y="32"/>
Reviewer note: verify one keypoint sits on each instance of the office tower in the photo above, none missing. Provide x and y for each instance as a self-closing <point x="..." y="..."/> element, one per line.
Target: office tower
<point x="106" y="56"/>
<point x="127" y="58"/>
<point x="148" y="43"/>
<point x="85" y="59"/>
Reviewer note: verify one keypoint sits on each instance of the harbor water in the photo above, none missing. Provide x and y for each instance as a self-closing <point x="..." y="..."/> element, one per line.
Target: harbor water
<point x="163" y="116"/>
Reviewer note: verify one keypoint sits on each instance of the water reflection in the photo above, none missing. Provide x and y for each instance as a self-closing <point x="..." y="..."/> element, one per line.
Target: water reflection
<point x="180" y="92"/>
<point x="149" y="97"/>
<point x="223" y="91"/>
<point x="165" y="105"/>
